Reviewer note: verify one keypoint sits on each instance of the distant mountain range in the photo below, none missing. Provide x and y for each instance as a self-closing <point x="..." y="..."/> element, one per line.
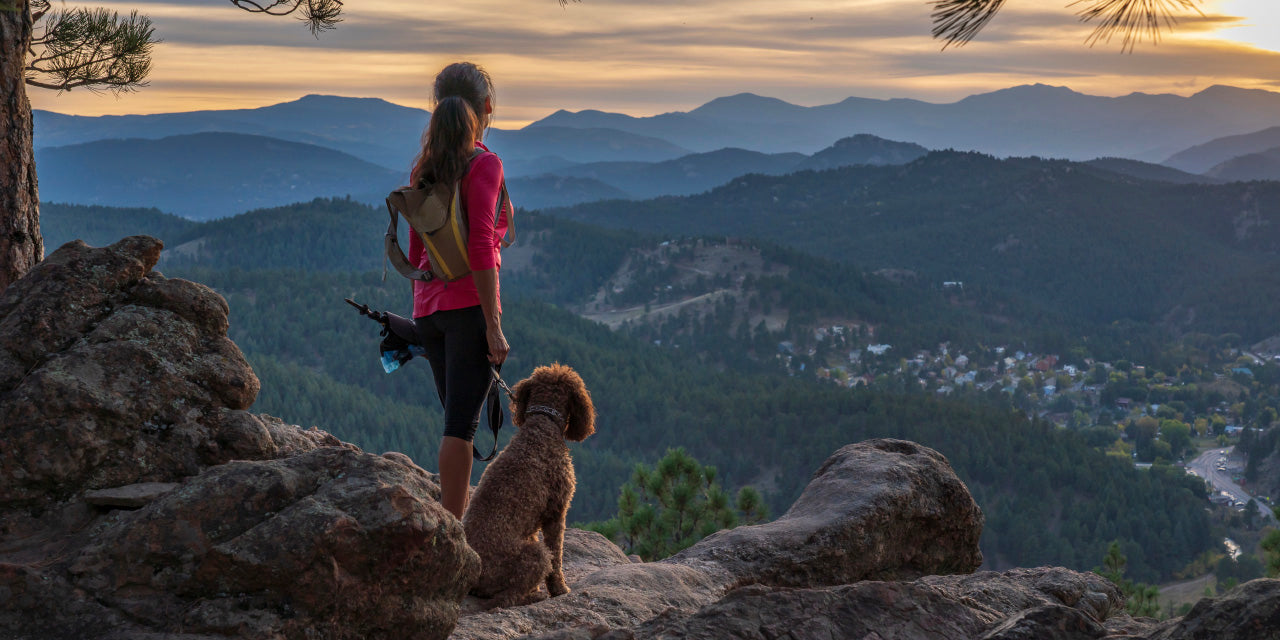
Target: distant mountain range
<point x="205" y="175"/>
<point x="1203" y="157"/>
<point x="1264" y="165"/>
<point x="1021" y="121"/>
<point x="370" y="129"/>
<point x="327" y="145"/>
<point x="214" y="174"/>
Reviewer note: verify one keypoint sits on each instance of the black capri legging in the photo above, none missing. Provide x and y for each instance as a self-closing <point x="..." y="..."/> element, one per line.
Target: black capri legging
<point x="458" y="351"/>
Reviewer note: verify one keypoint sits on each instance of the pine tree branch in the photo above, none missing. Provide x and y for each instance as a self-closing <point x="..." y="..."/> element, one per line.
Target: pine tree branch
<point x="320" y="15"/>
<point x="1133" y="20"/>
<point x="956" y="22"/>
<point x="93" y="48"/>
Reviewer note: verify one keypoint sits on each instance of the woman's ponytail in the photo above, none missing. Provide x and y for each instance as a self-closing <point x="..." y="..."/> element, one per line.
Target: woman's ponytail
<point x="450" y="141"/>
<point x="464" y="94"/>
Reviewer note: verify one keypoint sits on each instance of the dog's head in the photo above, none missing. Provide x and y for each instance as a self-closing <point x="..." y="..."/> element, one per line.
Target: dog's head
<point x="561" y="388"/>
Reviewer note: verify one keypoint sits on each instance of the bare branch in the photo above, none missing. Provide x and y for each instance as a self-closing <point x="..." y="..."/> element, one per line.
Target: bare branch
<point x="38" y="9"/>
<point x="92" y="84"/>
<point x="320" y="15"/>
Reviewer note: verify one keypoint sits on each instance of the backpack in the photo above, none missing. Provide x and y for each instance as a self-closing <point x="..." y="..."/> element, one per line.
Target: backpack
<point x="434" y="212"/>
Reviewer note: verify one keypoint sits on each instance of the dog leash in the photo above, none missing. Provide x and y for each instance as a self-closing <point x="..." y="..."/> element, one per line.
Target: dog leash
<point x="498" y="379"/>
<point x="496" y="417"/>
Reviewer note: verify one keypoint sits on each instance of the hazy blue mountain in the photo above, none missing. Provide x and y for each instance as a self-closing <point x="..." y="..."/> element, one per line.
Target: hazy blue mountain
<point x="1203" y="157"/>
<point x="371" y="129"/>
<point x="693" y="173"/>
<point x="514" y="167"/>
<point x="205" y="175"/>
<point x="699" y="172"/>
<point x="1025" y="120"/>
<point x="537" y="192"/>
<point x="1150" y="171"/>
<point x="1264" y="165"/>
<point x="581" y="144"/>
<point x="863" y="149"/>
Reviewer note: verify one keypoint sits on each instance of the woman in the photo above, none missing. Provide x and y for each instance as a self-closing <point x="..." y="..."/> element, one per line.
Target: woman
<point x="460" y="323"/>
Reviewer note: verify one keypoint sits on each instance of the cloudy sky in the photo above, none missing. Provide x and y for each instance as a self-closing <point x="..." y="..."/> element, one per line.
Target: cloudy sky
<point x="651" y="56"/>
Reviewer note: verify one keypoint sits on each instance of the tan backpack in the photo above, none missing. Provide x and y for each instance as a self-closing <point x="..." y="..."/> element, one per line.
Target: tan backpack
<point x="434" y="212"/>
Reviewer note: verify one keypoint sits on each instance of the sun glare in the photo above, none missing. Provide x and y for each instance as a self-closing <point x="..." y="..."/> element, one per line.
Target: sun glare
<point x="1259" y="23"/>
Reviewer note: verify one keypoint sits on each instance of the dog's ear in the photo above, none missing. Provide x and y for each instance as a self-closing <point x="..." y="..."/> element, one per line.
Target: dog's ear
<point x="581" y="421"/>
<point x="519" y="400"/>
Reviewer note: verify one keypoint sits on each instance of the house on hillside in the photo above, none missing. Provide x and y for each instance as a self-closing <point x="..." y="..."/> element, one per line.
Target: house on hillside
<point x="1046" y="364"/>
<point x="1124" y="404"/>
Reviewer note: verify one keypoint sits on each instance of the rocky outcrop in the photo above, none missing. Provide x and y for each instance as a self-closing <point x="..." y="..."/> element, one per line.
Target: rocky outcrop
<point x="880" y="509"/>
<point x="139" y="497"/>
<point x="876" y="509"/>
<point x="1249" y="612"/>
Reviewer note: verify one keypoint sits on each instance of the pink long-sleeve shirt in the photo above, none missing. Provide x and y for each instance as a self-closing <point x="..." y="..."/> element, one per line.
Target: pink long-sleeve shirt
<point x="480" y="189"/>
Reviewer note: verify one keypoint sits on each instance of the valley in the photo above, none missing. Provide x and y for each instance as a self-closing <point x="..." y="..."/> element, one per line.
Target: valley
<point x="1069" y="334"/>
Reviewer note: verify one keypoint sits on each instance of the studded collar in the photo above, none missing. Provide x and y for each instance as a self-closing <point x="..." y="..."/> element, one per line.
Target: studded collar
<point x="546" y="411"/>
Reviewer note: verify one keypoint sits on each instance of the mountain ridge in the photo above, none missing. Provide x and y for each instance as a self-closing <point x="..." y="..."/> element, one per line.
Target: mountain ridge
<point x="205" y="175"/>
<point x="1042" y="120"/>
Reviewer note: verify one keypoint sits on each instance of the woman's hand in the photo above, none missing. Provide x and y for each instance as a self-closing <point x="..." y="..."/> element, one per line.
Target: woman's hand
<point x="498" y="347"/>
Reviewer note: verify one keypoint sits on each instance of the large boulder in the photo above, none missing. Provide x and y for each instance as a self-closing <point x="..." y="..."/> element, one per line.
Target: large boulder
<point x="876" y="510"/>
<point x="1248" y="612"/>
<point x="111" y="374"/>
<point x="119" y="388"/>
<point x="880" y="509"/>
<point x="331" y="540"/>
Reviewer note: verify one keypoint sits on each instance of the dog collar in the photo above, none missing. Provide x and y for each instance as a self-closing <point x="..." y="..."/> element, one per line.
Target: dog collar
<point x="544" y="410"/>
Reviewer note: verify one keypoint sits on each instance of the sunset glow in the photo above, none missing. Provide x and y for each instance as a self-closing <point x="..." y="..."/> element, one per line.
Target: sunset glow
<point x="647" y="58"/>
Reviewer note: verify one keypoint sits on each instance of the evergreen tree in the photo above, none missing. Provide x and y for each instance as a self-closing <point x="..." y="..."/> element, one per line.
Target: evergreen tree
<point x="1140" y="599"/>
<point x="1271" y="545"/>
<point x="667" y="508"/>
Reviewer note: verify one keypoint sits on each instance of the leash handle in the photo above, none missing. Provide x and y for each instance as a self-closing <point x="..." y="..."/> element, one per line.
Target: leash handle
<point x="502" y="384"/>
<point x="496" y="416"/>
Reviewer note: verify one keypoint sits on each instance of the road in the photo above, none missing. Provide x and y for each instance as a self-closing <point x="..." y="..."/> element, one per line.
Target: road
<point x="1206" y="466"/>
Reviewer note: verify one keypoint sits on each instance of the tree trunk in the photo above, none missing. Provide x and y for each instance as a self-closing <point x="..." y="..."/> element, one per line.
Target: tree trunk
<point x="20" y="243"/>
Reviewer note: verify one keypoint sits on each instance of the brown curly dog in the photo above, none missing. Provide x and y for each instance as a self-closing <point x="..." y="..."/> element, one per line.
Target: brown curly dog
<point x="527" y="489"/>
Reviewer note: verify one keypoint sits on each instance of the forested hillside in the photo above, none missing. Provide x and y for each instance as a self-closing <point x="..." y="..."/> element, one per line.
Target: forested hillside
<point x="1087" y="243"/>
<point x="1048" y="496"/>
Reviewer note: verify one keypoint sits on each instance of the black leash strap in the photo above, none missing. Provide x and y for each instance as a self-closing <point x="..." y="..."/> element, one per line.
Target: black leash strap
<point x="496" y="418"/>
